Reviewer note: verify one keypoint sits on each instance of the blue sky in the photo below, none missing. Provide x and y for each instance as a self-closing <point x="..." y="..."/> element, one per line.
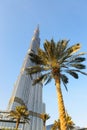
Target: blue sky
<point x="58" y="19"/>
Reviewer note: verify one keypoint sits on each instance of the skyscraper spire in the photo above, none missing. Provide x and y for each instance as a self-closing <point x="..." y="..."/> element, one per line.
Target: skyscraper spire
<point x="36" y="32"/>
<point x="35" y="42"/>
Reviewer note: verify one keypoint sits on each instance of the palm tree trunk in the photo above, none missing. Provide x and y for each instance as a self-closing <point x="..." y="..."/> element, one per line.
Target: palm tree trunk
<point x="44" y="125"/>
<point x="62" y="114"/>
<point x="17" y="123"/>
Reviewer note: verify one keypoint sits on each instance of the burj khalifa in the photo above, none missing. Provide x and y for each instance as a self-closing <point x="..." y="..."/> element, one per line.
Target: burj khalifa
<point x="26" y="94"/>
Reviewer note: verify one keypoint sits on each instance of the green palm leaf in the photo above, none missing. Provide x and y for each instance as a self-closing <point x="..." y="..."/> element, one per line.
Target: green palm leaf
<point x="60" y="48"/>
<point x="48" y="80"/>
<point x="73" y="49"/>
<point x="64" y="45"/>
<point x="74" y="74"/>
<point x="50" y="48"/>
<point x="36" y="59"/>
<point x="79" y="66"/>
<point x="40" y="79"/>
<point x="73" y="57"/>
<point x="35" y="69"/>
<point x="68" y="53"/>
<point x="53" y="46"/>
<point x="80" y="71"/>
<point x="43" y="56"/>
<point x="64" y="80"/>
<point x="47" y="47"/>
<point x="78" y="59"/>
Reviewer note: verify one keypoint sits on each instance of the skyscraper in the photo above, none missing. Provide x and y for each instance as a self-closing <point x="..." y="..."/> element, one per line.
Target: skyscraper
<point x="26" y="94"/>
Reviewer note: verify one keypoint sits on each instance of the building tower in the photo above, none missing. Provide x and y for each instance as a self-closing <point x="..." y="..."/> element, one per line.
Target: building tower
<point x="24" y="93"/>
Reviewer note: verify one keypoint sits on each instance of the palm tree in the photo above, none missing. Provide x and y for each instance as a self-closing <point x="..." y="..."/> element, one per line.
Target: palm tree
<point x="44" y="117"/>
<point x="70" y="123"/>
<point x="54" y="61"/>
<point x="20" y="113"/>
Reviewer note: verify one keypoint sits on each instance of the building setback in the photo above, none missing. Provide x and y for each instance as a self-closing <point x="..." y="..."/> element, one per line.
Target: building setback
<point x="24" y="93"/>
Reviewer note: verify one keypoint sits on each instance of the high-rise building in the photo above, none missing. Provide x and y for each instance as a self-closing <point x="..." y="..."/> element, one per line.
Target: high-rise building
<point x="24" y="93"/>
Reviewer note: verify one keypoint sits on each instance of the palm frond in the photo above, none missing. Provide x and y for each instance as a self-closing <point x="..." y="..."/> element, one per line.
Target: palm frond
<point x="68" y="53"/>
<point x="43" y="56"/>
<point x="40" y="79"/>
<point x="35" y="69"/>
<point x="79" y="71"/>
<point x="36" y="59"/>
<point x="82" y="53"/>
<point x="73" y="49"/>
<point x="64" y="45"/>
<point x="78" y="59"/>
<point x="13" y="114"/>
<point x="33" y="55"/>
<point x="71" y="59"/>
<point x="48" y="80"/>
<point x="72" y="73"/>
<point x="61" y="47"/>
<point x="50" y="48"/>
<point x="53" y="48"/>
<point x="64" y="66"/>
<point x="78" y="55"/>
<point x="64" y="77"/>
<point x="64" y="80"/>
<point x="41" y="53"/>
<point x="79" y="66"/>
<point x="47" y="46"/>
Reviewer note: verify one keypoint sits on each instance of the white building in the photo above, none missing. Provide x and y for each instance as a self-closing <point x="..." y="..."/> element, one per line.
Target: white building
<point x="24" y="93"/>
